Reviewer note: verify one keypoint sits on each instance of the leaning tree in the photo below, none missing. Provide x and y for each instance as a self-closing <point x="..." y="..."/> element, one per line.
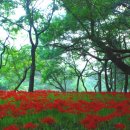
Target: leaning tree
<point x="105" y="23"/>
<point x="102" y="25"/>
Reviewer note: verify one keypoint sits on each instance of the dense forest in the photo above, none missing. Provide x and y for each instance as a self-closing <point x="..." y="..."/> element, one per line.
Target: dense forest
<point x="65" y="45"/>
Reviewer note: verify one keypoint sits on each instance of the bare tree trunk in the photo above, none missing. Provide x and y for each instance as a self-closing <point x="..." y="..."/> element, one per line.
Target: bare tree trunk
<point x="115" y="71"/>
<point x="111" y="78"/>
<point x="77" y="87"/>
<point x="32" y="70"/>
<point x="126" y="83"/>
<point x="96" y="86"/>
<point x="106" y="78"/>
<point x="65" y="88"/>
<point x="83" y="84"/>
<point x="99" y="82"/>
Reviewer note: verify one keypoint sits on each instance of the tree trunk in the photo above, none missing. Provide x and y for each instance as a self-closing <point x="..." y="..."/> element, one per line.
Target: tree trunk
<point x="32" y="70"/>
<point x="126" y="83"/>
<point x="65" y="88"/>
<point x="77" y="88"/>
<point x="99" y="82"/>
<point x="115" y="72"/>
<point x="111" y="78"/>
<point x="106" y="78"/>
<point x="83" y="84"/>
<point x="117" y="61"/>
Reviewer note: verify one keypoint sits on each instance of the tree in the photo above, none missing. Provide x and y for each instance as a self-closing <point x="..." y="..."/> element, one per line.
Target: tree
<point x="106" y="37"/>
<point x="35" y="22"/>
<point x="76" y="71"/>
<point x="14" y="73"/>
<point x="33" y="17"/>
<point x="101" y="25"/>
<point x="52" y="68"/>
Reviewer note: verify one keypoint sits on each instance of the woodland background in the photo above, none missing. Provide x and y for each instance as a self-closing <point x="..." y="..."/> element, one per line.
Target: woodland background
<point x="71" y="45"/>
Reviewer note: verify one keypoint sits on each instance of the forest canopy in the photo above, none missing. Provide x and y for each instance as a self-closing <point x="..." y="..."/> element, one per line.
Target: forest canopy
<point x="66" y="45"/>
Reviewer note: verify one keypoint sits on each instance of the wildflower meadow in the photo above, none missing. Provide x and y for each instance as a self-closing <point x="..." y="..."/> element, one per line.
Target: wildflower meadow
<point x="50" y="110"/>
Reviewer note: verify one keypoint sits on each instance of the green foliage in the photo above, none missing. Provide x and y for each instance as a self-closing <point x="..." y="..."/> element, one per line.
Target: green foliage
<point x="15" y="66"/>
<point x="52" y="68"/>
<point x="73" y="32"/>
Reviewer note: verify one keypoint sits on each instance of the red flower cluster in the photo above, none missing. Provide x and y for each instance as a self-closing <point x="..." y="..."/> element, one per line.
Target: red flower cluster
<point x="11" y="127"/>
<point x="17" y="104"/>
<point x="30" y="125"/>
<point x="120" y="126"/>
<point x="48" y="120"/>
<point x="90" y="122"/>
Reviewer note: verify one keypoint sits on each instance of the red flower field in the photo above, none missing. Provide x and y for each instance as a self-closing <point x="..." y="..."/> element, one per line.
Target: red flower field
<point x="50" y="110"/>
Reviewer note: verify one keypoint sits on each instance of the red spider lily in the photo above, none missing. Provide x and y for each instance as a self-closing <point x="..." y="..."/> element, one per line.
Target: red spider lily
<point x="17" y="104"/>
<point x="91" y="121"/>
<point x="120" y="126"/>
<point x="2" y="114"/>
<point x="48" y="120"/>
<point x="11" y="127"/>
<point x="30" y="125"/>
<point x="90" y="125"/>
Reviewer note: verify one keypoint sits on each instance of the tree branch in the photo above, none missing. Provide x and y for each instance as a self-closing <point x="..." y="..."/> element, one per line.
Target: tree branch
<point x="49" y="20"/>
<point x="4" y="48"/>
<point x="23" y="78"/>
